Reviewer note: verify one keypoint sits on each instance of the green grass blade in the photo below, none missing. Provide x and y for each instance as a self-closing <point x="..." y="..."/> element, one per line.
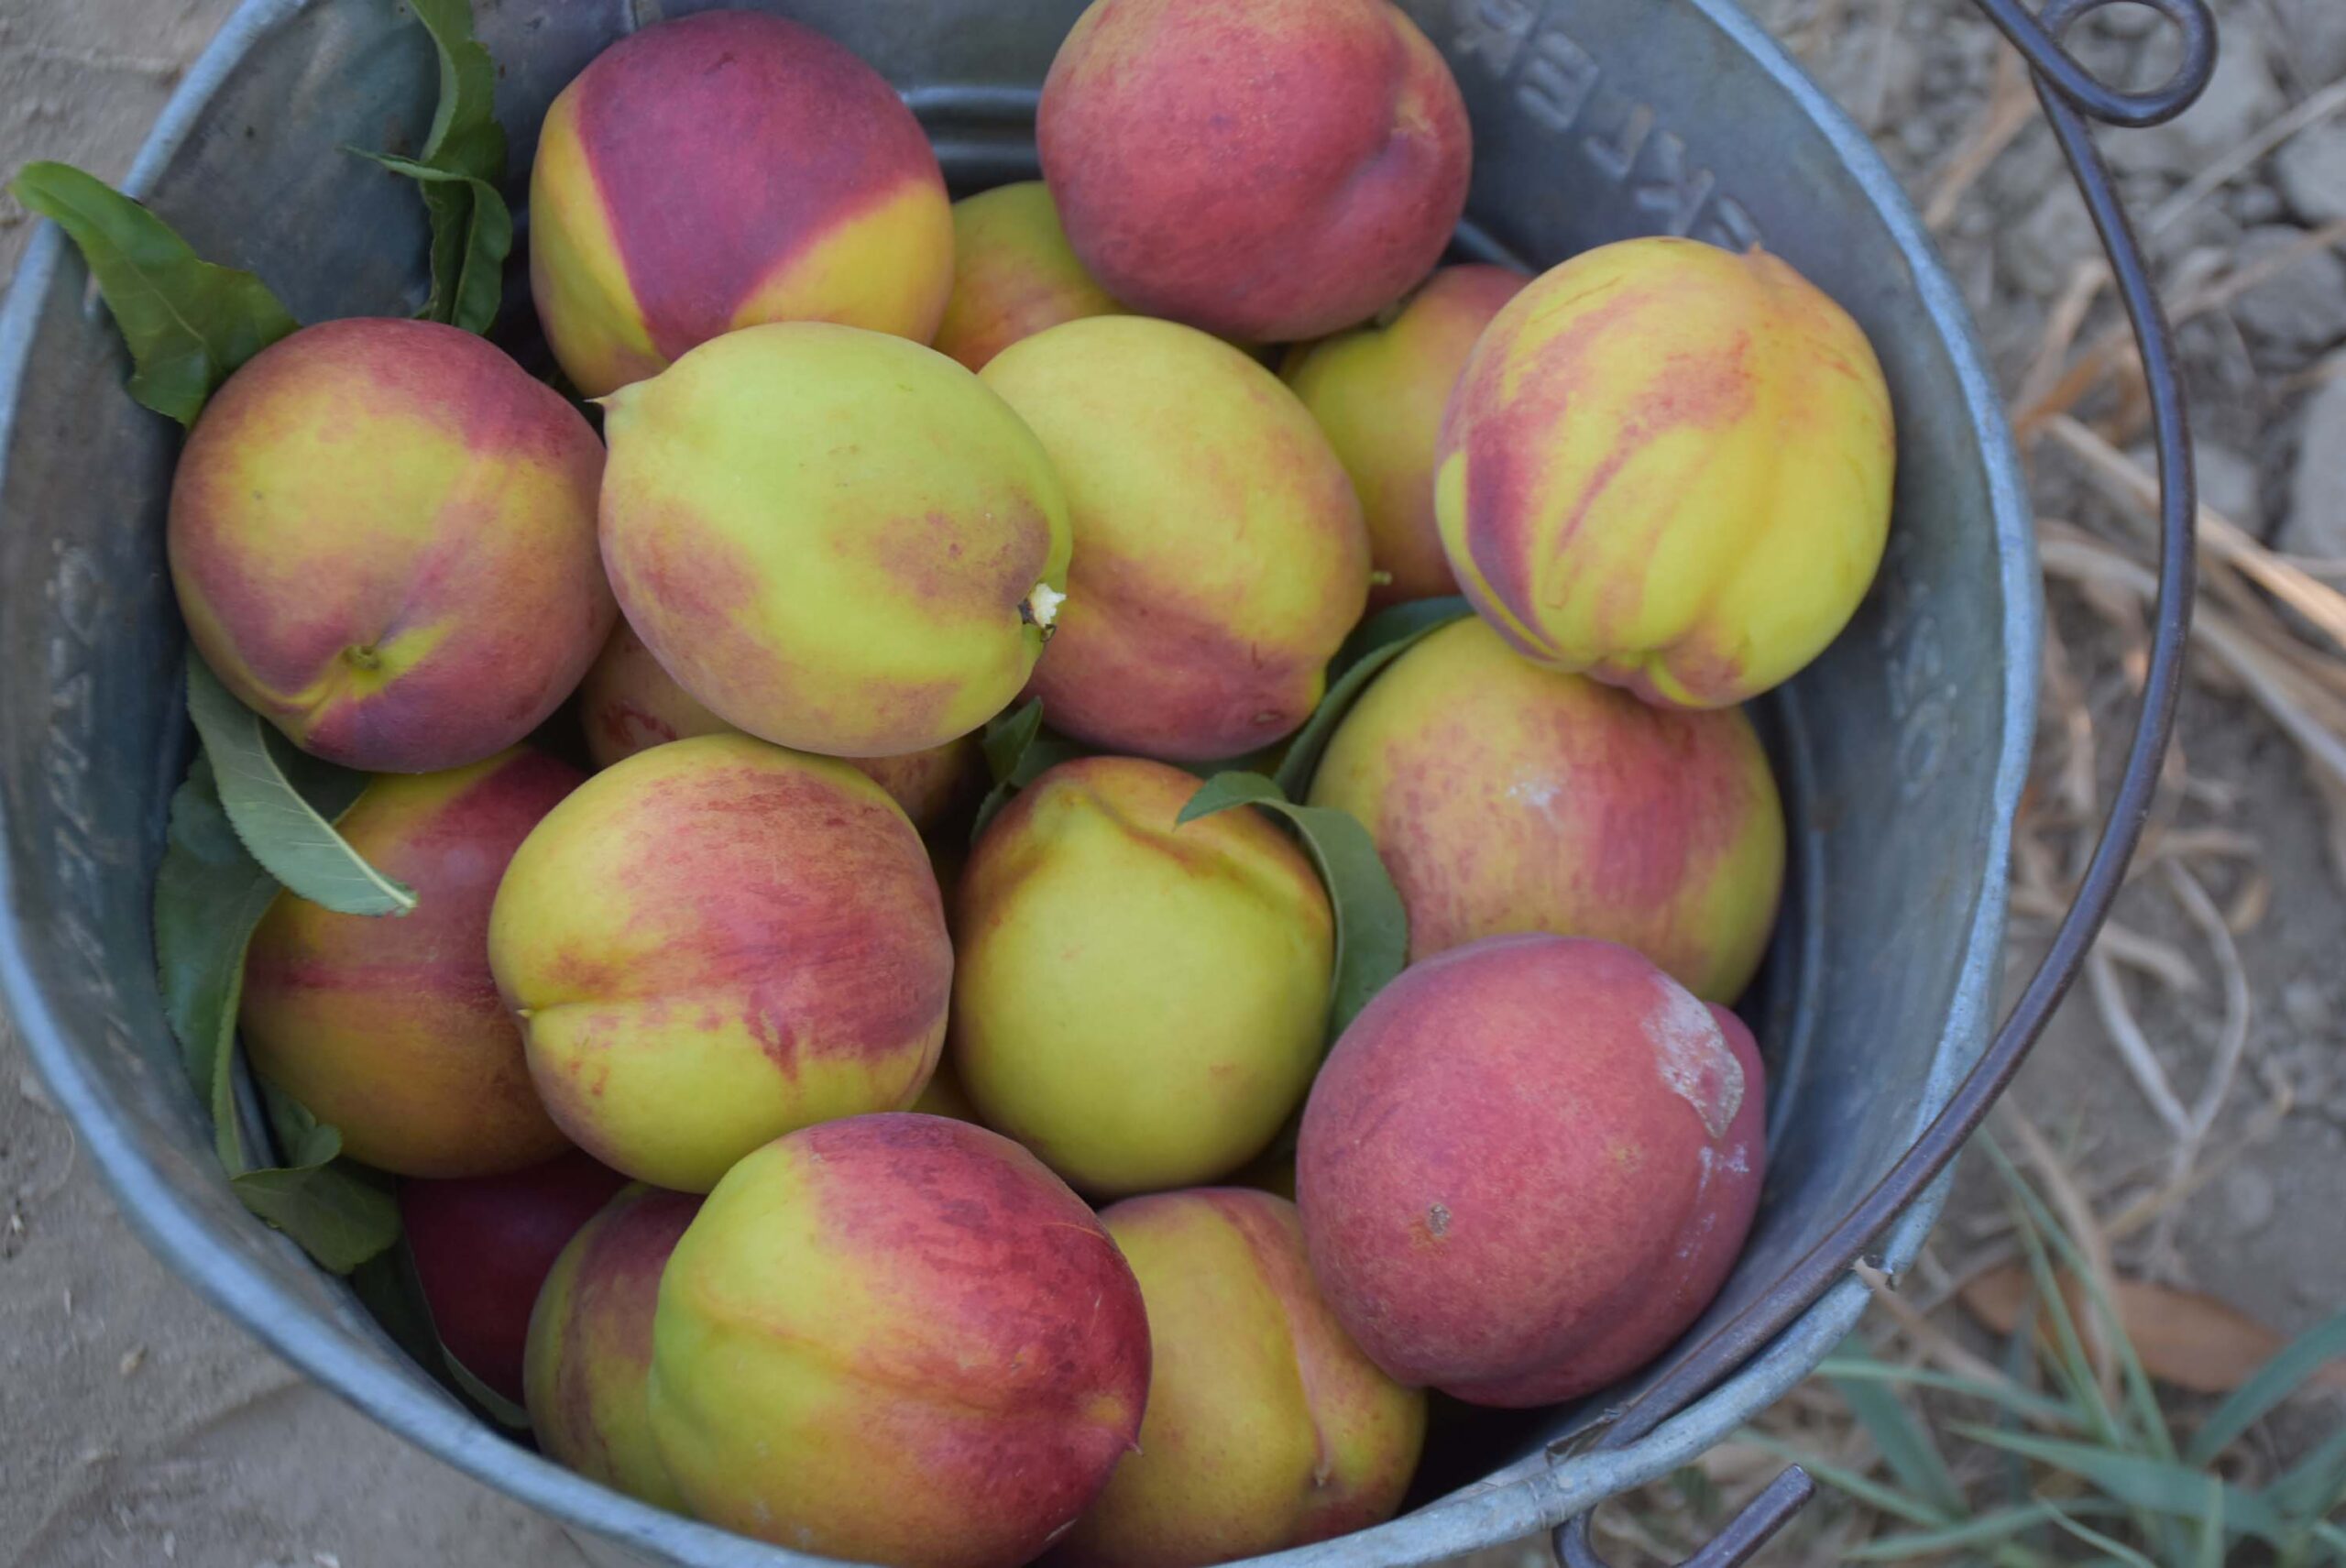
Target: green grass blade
<point x="1864" y="1488"/>
<point x="2011" y="1396"/>
<point x="2152" y="1485"/>
<point x="2116" y="1550"/>
<point x="1985" y="1529"/>
<point x="2310" y="1489"/>
<point x="2274" y="1382"/>
<point x="1903" y="1444"/>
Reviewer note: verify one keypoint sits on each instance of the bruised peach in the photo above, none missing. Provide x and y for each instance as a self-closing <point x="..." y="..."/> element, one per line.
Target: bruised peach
<point x="1264" y="171"/>
<point x="838" y="541"/>
<point x="482" y="1245"/>
<point x="896" y="1339"/>
<point x="1669" y="466"/>
<point x="390" y="1029"/>
<point x="628" y="703"/>
<point x="724" y="170"/>
<point x="588" y="1389"/>
<point x="382" y="535"/>
<point x="1506" y="798"/>
<point x="1013" y="274"/>
<point x="1219" y="559"/>
<point x="1140" y="1003"/>
<point x="1527" y="1166"/>
<point x="1378" y="392"/>
<point x="1266" y="1427"/>
<point x="718" y="941"/>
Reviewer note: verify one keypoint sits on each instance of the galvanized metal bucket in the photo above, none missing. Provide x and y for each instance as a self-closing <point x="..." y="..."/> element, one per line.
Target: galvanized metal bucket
<point x="1902" y="752"/>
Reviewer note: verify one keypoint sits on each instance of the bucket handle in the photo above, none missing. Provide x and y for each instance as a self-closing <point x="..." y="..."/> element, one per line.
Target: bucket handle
<point x="2071" y="97"/>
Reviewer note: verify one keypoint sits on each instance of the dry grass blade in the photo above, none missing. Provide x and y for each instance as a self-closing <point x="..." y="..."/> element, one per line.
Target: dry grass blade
<point x="2184" y="1337"/>
<point x="1935" y="1343"/>
<point x="2011" y="105"/>
<point x="2133" y="1047"/>
<point x="2316" y="601"/>
<point x="2239" y="1007"/>
<point x="2230" y="165"/>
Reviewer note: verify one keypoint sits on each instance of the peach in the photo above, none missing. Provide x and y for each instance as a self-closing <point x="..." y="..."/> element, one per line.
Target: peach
<point x="1221" y="559"/>
<point x="944" y="1096"/>
<point x="1527" y="1166"/>
<point x="589" y="1359"/>
<point x="1013" y="274"/>
<point x="1378" y="392"/>
<point x="838" y="541"/>
<point x="1272" y="172"/>
<point x="724" y="170"/>
<point x="1669" y="466"/>
<point x="391" y="1030"/>
<point x="896" y="1339"/>
<point x="482" y="1245"/>
<point x="1507" y="797"/>
<point x="628" y="703"/>
<point x="1266" y="1428"/>
<point x="382" y="536"/>
<point x="1141" y="1005"/>
<point x="716" y="942"/>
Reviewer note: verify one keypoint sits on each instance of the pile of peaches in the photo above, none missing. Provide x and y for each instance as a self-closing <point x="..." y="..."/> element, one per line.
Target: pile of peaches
<point x="751" y="1113"/>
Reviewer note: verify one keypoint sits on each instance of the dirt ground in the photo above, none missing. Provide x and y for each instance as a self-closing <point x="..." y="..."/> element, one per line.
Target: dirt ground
<point x="138" y="1427"/>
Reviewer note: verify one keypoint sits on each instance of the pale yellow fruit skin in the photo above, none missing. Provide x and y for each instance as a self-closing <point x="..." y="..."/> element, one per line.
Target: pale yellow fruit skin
<point x="1013" y="274"/>
<point x="1142" y="1006"/>
<point x="717" y="942"/>
<point x="832" y="537"/>
<point x="1669" y="466"/>
<point x="1266" y="1427"/>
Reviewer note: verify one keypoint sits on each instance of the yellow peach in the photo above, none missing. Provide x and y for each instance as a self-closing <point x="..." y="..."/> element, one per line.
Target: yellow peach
<point x="1669" y="466"/>
<point x="1013" y="274"/>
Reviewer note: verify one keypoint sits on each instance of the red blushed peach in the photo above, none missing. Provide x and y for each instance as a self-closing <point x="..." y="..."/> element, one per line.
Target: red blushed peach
<point x="1266" y="1427"/>
<point x="724" y="170"/>
<point x="391" y="1030"/>
<point x="1270" y="172"/>
<point x="587" y="1388"/>
<point x="1378" y="392"/>
<point x="482" y="1247"/>
<point x="1506" y="798"/>
<point x="718" y="941"/>
<point x="1013" y="274"/>
<point x="629" y="704"/>
<point x="1527" y="1166"/>
<point x="382" y="536"/>
<point x="896" y="1339"/>
<point x="1219" y="559"/>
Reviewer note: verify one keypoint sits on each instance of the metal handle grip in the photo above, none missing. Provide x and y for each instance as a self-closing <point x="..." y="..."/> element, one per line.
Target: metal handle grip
<point x="2071" y="96"/>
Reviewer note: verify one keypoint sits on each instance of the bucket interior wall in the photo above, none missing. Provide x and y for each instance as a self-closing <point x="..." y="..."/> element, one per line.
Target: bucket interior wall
<point x="1900" y="751"/>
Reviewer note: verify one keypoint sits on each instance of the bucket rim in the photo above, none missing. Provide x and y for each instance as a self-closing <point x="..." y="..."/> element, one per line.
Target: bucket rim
<point x="1533" y="1495"/>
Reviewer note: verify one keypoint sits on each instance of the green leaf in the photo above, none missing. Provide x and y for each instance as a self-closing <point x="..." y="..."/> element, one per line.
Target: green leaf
<point x="1372" y="928"/>
<point x="340" y="1214"/>
<point x="460" y="166"/>
<point x="388" y="1286"/>
<point x="209" y="894"/>
<point x="1903" y="1444"/>
<point x="284" y="831"/>
<point x="1374" y="644"/>
<point x="472" y="234"/>
<point x="1018" y="750"/>
<point x="2154" y="1485"/>
<point x="188" y="324"/>
<point x="488" y="1400"/>
<point x="2274" y="1382"/>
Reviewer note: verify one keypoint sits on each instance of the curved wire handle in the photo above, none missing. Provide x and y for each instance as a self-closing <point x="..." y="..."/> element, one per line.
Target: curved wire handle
<point x="2070" y="96"/>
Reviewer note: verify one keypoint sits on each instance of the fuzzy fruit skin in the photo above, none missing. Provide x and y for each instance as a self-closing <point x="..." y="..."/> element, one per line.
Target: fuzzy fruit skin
<point x="829" y="536"/>
<point x="1378" y="392"/>
<point x="482" y="1247"/>
<point x="390" y="1029"/>
<point x="720" y="170"/>
<point x="629" y="704"/>
<point x="896" y="1339"/>
<point x="1527" y="1166"/>
<point x="1267" y="172"/>
<point x="1266" y="1427"/>
<point x="1142" y="1006"/>
<point x="1221" y="556"/>
<point x="1669" y="466"/>
<point x="716" y="942"/>
<point x="589" y="1361"/>
<point x="382" y="537"/>
<point x="1013" y="274"/>
<point x="1506" y="798"/>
